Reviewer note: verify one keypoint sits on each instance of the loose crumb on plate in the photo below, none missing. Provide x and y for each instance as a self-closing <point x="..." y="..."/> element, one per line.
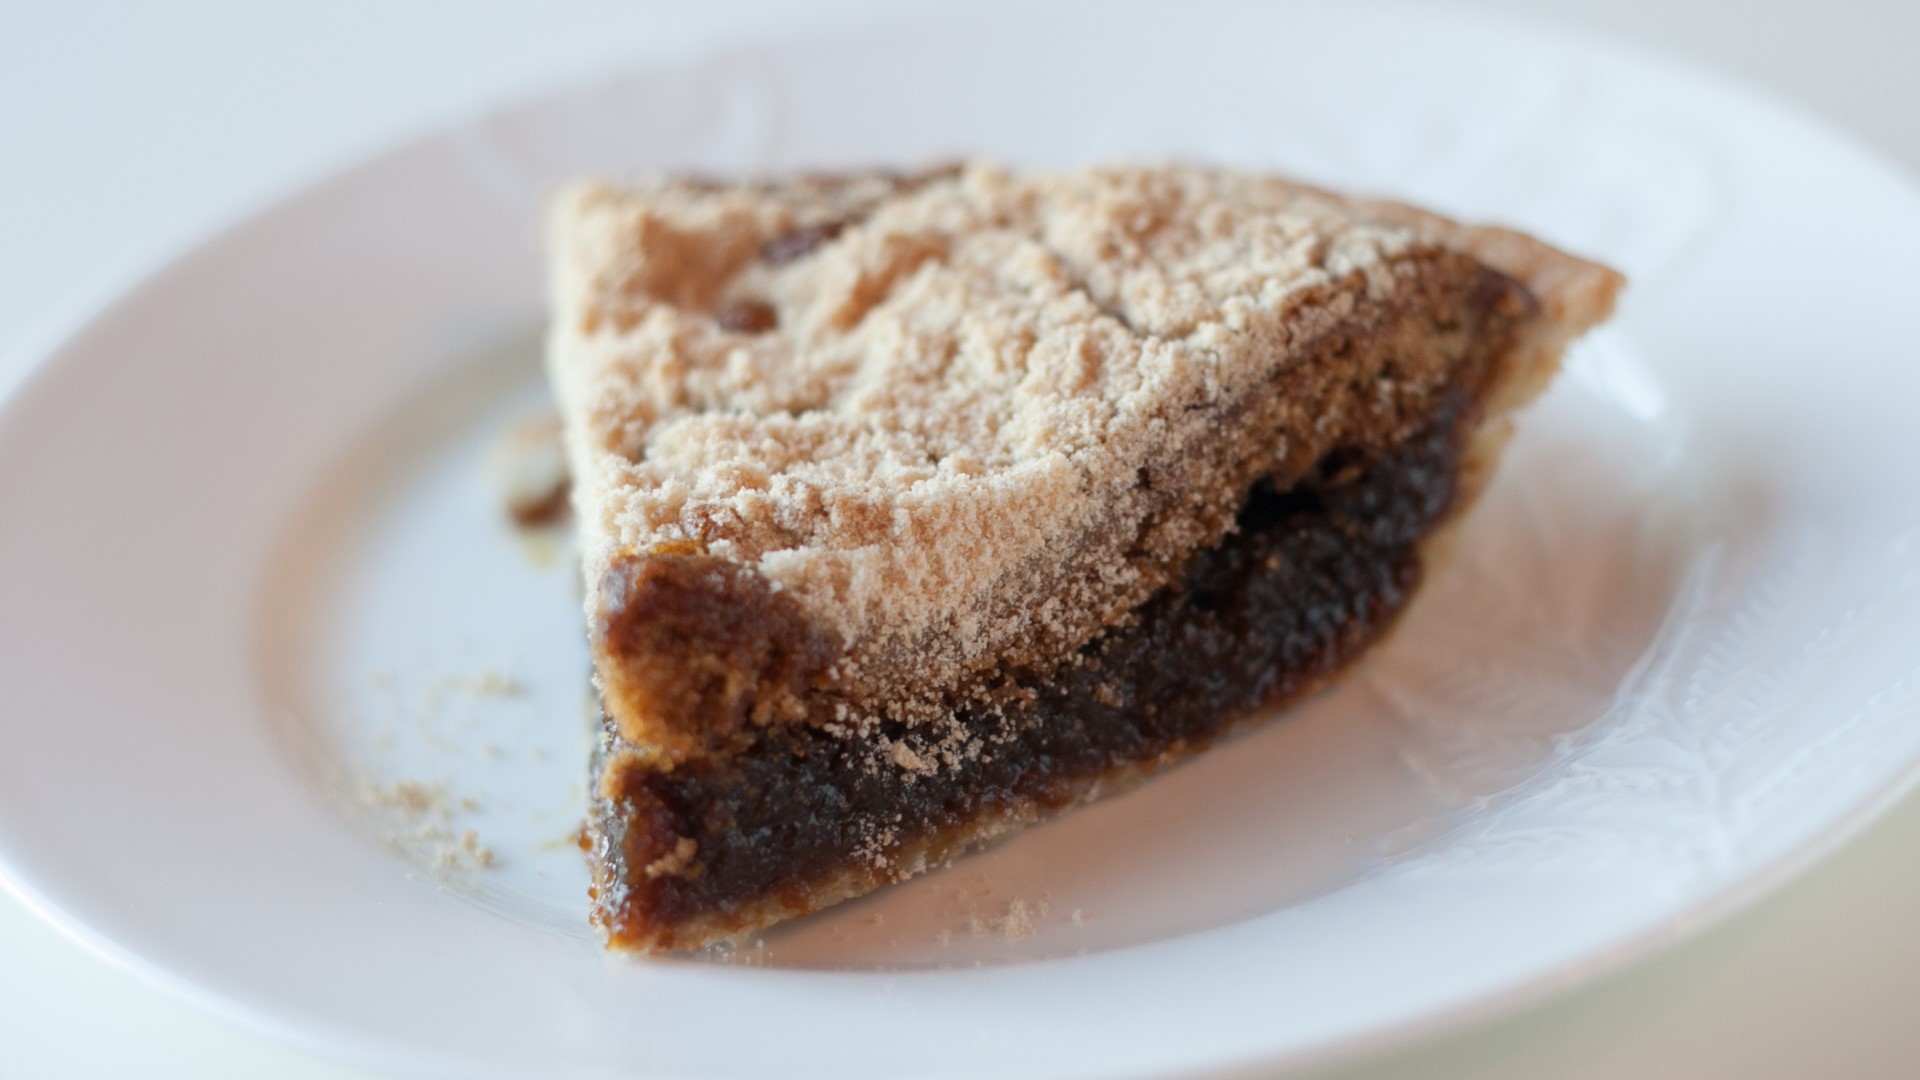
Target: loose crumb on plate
<point x="415" y="819"/>
<point x="1016" y="920"/>
<point x="529" y="466"/>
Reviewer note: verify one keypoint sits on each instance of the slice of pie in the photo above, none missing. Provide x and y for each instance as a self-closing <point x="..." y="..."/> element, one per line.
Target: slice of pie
<point x="914" y="508"/>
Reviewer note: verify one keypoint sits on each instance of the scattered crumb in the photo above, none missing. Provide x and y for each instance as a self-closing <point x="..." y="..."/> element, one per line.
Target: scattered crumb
<point x="1013" y="922"/>
<point x="470" y="846"/>
<point x="495" y="683"/>
<point x="904" y="757"/>
<point x="488" y="684"/>
<point x="675" y="861"/>
<point x="477" y="714"/>
<point x="746" y="954"/>
<point x="875" y="846"/>
<point x="529" y="465"/>
<point x="415" y="820"/>
<point x="1079" y="917"/>
<point x="409" y="797"/>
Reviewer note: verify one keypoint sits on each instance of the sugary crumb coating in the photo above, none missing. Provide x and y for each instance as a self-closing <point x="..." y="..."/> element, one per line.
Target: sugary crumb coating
<point x="951" y="423"/>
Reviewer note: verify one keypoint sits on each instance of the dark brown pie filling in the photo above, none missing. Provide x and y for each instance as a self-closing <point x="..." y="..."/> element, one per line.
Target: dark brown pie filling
<point x="1307" y="580"/>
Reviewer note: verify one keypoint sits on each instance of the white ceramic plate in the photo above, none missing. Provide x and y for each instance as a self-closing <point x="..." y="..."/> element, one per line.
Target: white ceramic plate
<point x="270" y="653"/>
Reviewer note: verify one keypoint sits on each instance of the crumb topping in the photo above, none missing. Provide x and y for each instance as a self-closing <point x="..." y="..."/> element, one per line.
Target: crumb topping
<point x="959" y="419"/>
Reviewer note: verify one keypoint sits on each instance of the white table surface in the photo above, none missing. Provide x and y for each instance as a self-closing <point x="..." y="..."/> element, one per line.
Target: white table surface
<point x="126" y="128"/>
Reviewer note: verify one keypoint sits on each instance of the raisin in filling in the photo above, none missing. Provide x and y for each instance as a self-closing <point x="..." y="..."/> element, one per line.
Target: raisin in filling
<point x="1308" y="579"/>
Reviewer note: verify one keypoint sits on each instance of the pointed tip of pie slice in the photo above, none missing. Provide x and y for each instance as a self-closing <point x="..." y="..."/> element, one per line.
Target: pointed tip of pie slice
<point x="1574" y="294"/>
<point x="694" y="652"/>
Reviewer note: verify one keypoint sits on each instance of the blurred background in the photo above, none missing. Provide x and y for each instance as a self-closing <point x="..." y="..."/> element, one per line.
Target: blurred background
<point x="127" y="128"/>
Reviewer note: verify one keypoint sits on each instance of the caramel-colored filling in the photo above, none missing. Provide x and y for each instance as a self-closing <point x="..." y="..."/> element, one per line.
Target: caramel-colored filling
<point x="1309" y="577"/>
